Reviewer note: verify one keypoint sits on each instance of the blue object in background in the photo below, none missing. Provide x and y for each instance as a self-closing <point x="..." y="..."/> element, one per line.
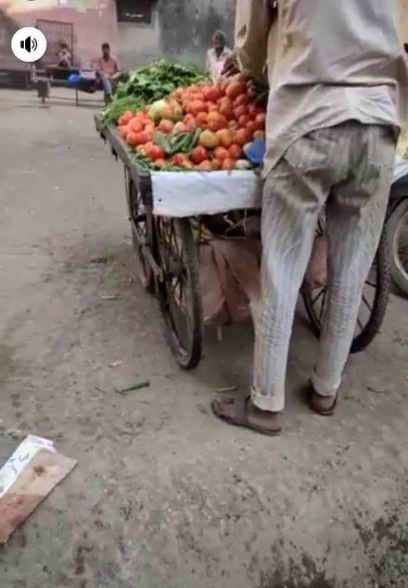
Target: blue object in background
<point x="74" y="79"/>
<point x="256" y="152"/>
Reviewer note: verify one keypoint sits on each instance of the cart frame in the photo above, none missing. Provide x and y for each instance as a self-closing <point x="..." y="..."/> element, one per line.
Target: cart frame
<point x="168" y="254"/>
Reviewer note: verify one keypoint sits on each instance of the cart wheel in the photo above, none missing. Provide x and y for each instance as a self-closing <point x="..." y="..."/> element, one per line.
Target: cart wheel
<point x="397" y="231"/>
<point x="141" y="227"/>
<point x="373" y="305"/>
<point x="178" y="291"/>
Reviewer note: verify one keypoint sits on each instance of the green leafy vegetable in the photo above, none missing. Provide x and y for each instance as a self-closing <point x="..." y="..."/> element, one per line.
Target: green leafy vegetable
<point x="148" y="84"/>
<point x="120" y="105"/>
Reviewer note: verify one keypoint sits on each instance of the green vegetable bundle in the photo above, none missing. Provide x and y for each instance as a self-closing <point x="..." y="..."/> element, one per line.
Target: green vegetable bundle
<point x="118" y="106"/>
<point x="181" y="143"/>
<point x="148" y="84"/>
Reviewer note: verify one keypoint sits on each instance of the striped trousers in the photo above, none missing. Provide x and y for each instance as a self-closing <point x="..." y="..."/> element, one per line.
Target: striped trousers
<point x="347" y="169"/>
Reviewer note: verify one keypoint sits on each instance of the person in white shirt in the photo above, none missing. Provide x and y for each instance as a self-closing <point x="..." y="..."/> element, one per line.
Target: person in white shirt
<point x="217" y="55"/>
<point x="338" y="98"/>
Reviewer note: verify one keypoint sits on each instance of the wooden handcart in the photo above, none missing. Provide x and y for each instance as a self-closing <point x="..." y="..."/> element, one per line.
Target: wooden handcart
<point x="167" y="243"/>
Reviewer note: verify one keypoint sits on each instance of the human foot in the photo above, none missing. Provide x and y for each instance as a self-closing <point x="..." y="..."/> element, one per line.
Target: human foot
<point x="240" y="411"/>
<point x="323" y="405"/>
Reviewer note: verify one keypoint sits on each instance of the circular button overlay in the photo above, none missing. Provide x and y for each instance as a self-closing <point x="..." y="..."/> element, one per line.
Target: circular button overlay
<point x="28" y="44"/>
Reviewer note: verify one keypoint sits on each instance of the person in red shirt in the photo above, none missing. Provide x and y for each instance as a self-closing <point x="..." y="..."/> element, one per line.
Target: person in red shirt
<point x="107" y="68"/>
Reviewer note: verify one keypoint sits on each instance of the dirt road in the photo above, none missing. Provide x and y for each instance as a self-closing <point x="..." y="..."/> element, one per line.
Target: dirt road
<point x="164" y="494"/>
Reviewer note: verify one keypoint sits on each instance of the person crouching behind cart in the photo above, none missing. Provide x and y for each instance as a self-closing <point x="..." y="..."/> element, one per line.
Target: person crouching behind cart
<point x="334" y="115"/>
<point x="107" y="70"/>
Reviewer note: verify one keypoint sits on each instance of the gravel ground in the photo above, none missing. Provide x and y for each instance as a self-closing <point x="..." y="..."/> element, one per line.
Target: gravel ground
<point x="164" y="494"/>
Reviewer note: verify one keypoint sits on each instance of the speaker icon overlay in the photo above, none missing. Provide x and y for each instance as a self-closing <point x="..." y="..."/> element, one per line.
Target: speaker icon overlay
<point x="28" y="44"/>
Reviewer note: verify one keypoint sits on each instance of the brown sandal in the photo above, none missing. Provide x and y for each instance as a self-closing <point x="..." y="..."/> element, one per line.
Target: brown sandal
<point x="323" y="405"/>
<point x="239" y="415"/>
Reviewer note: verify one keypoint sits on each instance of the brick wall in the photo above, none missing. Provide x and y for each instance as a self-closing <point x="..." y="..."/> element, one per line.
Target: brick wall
<point x="180" y="29"/>
<point x="92" y="26"/>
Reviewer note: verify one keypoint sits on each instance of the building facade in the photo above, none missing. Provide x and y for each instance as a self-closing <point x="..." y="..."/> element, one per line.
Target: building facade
<point x="138" y="30"/>
<point x="181" y="29"/>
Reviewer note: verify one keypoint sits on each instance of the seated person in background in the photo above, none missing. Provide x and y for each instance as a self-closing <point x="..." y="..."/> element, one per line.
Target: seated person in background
<point x="217" y="55"/>
<point x="64" y="56"/>
<point x="107" y="69"/>
<point x="61" y="70"/>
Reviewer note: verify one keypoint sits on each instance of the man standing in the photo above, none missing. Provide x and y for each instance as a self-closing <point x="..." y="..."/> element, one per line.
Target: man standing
<point x="338" y="95"/>
<point x="107" y="67"/>
<point x="64" y="56"/>
<point x="217" y="55"/>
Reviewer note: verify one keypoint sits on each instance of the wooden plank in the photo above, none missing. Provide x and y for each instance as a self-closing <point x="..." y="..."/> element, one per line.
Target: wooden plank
<point x="39" y="476"/>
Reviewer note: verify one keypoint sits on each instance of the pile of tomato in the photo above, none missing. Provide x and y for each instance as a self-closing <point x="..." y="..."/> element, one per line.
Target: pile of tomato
<point x="204" y="127"/>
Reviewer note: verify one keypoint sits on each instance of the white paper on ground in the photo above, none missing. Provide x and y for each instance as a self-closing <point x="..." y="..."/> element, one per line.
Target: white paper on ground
<point x="28" y="477"/>
<point x="182" y="194"/>
<point x="19" y="459"/>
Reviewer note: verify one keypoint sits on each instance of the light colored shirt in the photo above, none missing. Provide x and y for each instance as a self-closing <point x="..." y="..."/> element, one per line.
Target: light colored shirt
<point x="328" y="61"/>
<point x="64" y="57"/>
<point x="215" y="63"/>
<point x="107" y="67"/>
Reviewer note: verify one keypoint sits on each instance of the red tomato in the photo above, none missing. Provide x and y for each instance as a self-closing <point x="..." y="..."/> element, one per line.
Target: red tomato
<point x="243" y="99"/>
<point x="136" y="125"/>
<point x="221" y="153"/>
<point x="197" y="106"/>
<point x="226" y="137"/>
<point x="260" y="121"/>
<point x="204" y="166"/>
<point x="127" y="117"/>
<point x="251" y="127"/>
<point x="234" y="89"/>
<point x="190" y="122"/>
<point x="180" y="127"/>
<point x="198" y="155"/>
<point x="202" y="119"/>
<point x="216" y="122"/>
<point x="166" y="112"/>
<point x="240" y="111"/>
<point x="243" y="121"/>
<point x="212" y="94"/>
<point x="235" y="151"/>
<point x="216" y="164"/>
<point x="179" y="159"/>
<point x="228" y="164"/>
<point x="143" y="138"/>
<point x="154" y="152"/>
<point x="150" y="128"/>
<point x="261" y="118"/>
<point x="242" y="137"/>
<point x="252" y="111"/>
<point x="160" y="163"/>
<point x="212" y="107"/>
<point x="165" y="126"/>
<point x="131" y="138"/>
<point x="226" y="108"/>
